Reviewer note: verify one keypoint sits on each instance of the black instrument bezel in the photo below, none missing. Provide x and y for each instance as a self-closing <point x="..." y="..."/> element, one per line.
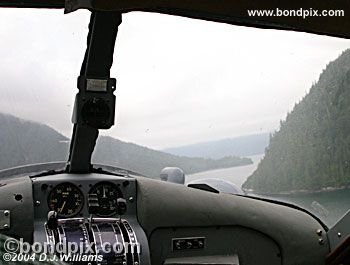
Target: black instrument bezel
<point x="81" y="196"/>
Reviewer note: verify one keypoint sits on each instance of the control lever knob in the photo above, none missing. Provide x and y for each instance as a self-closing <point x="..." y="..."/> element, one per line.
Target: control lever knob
<point x="121" y="206"/>
<point x="52" y="221"/>
<point x="93" y="205"/>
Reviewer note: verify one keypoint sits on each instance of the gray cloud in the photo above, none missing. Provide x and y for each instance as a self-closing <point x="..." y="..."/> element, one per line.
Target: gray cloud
<point x="179" y="80"/>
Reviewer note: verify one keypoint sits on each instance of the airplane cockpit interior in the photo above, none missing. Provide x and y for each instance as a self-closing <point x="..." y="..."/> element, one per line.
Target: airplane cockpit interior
<point x="80" y="212"/>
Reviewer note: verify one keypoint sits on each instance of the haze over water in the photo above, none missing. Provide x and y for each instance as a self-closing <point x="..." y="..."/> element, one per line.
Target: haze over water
<point x="236" y="175"/>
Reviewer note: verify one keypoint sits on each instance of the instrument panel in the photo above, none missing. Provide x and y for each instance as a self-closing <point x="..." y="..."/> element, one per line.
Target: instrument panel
<point x="97" y="208"/>
<point x="68" y="200"/>
<point x="73" y="196"/>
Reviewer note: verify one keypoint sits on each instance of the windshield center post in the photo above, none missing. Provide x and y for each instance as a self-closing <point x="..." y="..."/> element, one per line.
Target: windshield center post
<point x="94" y="106"/>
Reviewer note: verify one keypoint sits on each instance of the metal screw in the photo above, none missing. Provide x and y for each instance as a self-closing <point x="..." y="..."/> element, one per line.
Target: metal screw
<point x="131" y="199"/>
<point x="321" y="241"/>
<point x="319" y="232"/>
<point x="136" y="263"/>
<point x="37" y="203"/>
<point x="6" y="226"/>
<point x="339" y="234"/>
<point x="6" y="212"/>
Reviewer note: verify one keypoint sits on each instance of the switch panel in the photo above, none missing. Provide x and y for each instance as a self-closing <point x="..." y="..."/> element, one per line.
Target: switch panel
<point x="189" y="243"/>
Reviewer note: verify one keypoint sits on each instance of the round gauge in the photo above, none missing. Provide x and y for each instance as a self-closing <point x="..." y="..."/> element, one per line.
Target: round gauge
<point x="107" y="194"/>
<point x="66" y="199"/>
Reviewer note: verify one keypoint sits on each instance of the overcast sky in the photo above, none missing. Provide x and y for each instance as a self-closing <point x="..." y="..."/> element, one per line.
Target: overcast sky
<point x="180" y="81"/>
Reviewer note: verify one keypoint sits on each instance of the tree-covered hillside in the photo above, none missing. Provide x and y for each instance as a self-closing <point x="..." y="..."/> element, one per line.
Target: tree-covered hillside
<point x="24" y="142"/>
<point x="311" y="150"/>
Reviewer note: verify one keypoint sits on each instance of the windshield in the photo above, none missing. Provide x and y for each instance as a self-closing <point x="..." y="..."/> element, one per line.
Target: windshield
<point x="265" y="110"/>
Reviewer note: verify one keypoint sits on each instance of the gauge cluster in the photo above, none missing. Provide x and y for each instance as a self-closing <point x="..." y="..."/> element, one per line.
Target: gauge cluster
<point x="75" y="196"/>
<point x="68" y="200"/>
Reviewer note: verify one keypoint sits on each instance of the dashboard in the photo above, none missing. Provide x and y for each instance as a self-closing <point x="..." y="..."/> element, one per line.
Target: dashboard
<point x="97" y="211"/>
<point x="155" y="222"/>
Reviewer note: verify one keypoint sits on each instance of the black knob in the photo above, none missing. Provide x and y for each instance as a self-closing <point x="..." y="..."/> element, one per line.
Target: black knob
<point x="52" y="221"/>
<point x="121" y="206"/>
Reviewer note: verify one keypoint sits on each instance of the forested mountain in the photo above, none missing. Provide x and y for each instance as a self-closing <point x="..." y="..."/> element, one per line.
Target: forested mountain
<point x="24" y="142"/>
<point x="311" y="150"/>
<point x="239" y="146"/>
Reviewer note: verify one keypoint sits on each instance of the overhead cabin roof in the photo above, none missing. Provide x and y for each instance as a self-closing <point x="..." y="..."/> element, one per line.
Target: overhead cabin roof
<point x="228" y="11"/>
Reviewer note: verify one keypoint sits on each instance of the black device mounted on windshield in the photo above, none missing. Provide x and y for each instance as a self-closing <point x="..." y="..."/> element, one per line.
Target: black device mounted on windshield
<point x="95" y="103"/>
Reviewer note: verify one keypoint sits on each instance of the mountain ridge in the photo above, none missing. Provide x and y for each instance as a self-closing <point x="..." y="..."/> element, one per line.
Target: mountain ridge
<point x="28" y="142"/>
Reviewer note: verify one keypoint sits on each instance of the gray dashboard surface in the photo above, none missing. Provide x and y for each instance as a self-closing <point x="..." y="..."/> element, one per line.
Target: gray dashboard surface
<point x="250" y="246"/>
<point x="166" y="205"/>
<point x="217" y="260"/>
<point x="339" y="232"/>
<point x="16" y="196"/>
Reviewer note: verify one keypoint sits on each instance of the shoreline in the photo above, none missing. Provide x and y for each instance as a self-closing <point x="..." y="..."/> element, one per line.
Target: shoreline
<point x="296" y="192"/>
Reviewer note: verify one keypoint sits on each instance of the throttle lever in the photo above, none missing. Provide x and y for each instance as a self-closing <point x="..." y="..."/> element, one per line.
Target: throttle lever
<point x="52" y="221"/>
